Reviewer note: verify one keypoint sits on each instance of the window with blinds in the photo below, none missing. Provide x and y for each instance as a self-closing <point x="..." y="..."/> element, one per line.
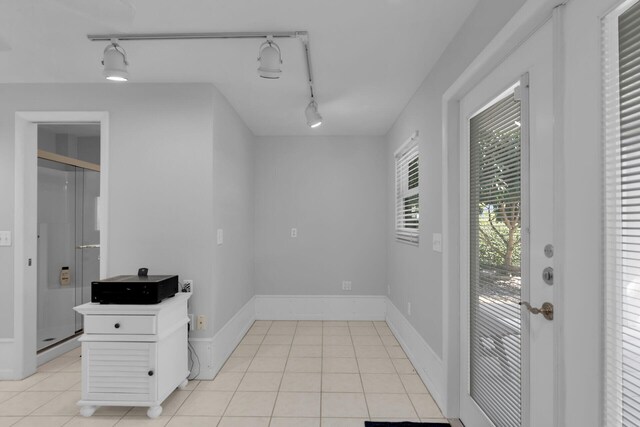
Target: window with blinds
<point x="495" y="252"/>
<point x="621" y="124"/>
<point x="408" y="192"/>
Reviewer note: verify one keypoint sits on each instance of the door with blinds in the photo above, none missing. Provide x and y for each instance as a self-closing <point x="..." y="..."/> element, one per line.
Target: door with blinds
<point x="507" y="346"/>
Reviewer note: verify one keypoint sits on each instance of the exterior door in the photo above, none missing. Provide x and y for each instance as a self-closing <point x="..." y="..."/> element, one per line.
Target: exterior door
<point x="507" y="371"/>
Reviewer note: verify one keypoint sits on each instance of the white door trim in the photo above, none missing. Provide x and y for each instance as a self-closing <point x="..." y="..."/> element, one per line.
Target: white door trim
<point x="530" y="16"/>
<point x="25" y="286"/>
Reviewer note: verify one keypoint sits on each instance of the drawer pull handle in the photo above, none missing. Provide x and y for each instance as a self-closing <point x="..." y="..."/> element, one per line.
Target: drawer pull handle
<point x="150" y="373"/>
<point x="117" y="326"/>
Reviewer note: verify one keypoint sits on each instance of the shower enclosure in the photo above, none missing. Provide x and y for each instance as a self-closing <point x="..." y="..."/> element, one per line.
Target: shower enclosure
<point x="68" y="241"/>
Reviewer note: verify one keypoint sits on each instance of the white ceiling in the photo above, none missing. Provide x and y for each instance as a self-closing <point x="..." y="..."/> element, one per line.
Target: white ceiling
<point x="368" y="56"/>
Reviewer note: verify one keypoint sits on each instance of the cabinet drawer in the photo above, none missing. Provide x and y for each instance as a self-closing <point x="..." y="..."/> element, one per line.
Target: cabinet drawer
<point x="126" y="325"/>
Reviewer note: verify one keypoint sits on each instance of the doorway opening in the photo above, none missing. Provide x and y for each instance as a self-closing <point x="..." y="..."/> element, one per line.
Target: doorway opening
<point x="68" y="227"/>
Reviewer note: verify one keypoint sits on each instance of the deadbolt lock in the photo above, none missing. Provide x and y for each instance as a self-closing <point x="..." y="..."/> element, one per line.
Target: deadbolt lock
<point x="547" y="275"/>
<point x="546" y="310"/>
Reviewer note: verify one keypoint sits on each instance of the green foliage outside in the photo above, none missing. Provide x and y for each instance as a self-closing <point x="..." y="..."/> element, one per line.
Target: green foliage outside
<point x="494" y="241"/>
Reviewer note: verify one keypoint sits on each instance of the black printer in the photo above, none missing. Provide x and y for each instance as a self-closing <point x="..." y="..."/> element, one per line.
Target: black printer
<point x="140" y="289"/>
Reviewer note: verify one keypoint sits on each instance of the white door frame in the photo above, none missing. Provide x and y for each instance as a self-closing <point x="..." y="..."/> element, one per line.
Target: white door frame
<point x="531" y="15"/>
<point x="25" y="224"/>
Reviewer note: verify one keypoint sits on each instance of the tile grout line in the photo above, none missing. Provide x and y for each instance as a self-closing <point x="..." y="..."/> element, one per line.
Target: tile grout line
<point x="364" y="395"/>
<point x="181" y="404"/>
<point x="244" y="373"/>
<point x="321" y="367"/>
<point x="284" y="370"/>
<point x="400" y="378"/>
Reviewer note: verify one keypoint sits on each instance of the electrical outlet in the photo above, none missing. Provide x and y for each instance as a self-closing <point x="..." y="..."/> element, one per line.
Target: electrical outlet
<point x="220" y="236"/>
<point x="409" y="308"/>
<point x="5" y="238"/>
<point x="191" y="321"/>
<point x="201" y="322"/>
<point x="437" y="242"/>
<point x="346" y="285"/>
<point x="294" y="232"/>
<point x="388" y="289"/>
<point x="187" y="285"/>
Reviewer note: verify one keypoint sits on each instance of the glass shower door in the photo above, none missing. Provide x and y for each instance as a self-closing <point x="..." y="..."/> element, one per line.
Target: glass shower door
<point x="88" y="247"/>
<point x="57" y="273"/>
<point x="68" y="247"/>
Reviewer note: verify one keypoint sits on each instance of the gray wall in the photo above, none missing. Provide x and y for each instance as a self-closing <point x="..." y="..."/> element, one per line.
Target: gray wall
<point x="169" y="161"/>
<point x="415" y="273"/>
<point x="233" y="202"/>
<point x="333" y="190"/>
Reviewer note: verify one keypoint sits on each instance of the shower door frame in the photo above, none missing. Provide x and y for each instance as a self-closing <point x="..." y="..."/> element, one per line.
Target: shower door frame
<point x="23" y="345"/>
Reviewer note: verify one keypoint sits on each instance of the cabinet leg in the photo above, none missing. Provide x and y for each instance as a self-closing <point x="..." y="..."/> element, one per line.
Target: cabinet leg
<point x="154" y="411"/>
<point x="87" y="411"/>
<point x="183" y="385"/>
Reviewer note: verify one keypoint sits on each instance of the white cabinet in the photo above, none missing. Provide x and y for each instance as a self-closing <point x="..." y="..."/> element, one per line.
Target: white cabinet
<point x="133" y="355"/>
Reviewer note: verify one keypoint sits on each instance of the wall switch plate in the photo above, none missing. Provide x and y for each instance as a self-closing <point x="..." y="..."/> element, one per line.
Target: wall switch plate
<point x="388" y="290"/>
<point x="191" y="321"/>
<point x="220" y="236"/>
<point x="437" y="242"/>
<point x="201" y="322"/>
<point x="294" y="232"/>
<point x="5" y="238"/>
<point x="409" y="308"/>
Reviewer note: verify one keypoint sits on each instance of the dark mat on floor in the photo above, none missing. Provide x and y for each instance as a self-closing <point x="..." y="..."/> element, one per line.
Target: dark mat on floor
<point x="402" y="424"/>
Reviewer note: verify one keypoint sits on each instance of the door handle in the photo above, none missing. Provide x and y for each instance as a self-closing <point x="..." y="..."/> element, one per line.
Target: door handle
<point x="87" y="246"/>
<point x="546" y="310"/>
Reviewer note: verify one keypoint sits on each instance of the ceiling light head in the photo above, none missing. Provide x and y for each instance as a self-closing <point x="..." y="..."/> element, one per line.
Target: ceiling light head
<point x="115" y="63"/>
<point x="270" y="59"/>
<point x="314" y="119"/>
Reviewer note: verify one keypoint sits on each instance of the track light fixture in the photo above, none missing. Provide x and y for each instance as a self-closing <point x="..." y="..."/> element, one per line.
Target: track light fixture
<point x="270" y="59"/>
<point x="314" y="119"/>
<point x="115" y="62"/>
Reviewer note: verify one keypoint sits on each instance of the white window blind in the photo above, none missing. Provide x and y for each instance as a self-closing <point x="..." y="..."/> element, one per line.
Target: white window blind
<point x="408" y="191"/>
<point x="621" y="102"/>
<point x="495" y="268"/>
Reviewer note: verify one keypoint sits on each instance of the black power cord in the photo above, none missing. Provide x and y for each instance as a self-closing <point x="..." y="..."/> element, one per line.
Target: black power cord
<point x="192" y="355"/>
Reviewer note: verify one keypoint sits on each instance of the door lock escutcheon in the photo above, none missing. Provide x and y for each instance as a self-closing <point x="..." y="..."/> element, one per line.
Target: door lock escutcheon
<point x="546" y="310"/>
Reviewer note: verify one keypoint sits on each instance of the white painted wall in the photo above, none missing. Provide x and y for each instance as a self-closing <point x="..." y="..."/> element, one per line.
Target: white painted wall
<point x="171" y="146"/>
<point x="233" y="207"/>
<point x="415" y="273"/>
<point x="333" y="190"/>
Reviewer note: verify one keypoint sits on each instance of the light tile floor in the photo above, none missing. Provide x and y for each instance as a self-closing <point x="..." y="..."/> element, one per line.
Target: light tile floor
<point x="282" y="374"/>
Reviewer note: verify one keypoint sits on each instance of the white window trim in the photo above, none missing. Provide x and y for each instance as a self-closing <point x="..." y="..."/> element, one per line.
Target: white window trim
<point x="403" y="234"/>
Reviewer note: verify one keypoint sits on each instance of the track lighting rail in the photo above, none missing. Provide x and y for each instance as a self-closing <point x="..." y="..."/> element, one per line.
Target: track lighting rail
<point x="193" y="36"/>
<point x="303" y="36"/>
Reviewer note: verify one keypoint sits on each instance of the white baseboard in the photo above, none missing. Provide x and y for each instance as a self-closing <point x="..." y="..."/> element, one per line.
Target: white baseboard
<point x="320" y="307"/>
<point x="213" y="352"/>
<point x="9" y="361"/>
<point x="427" y="363"/>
